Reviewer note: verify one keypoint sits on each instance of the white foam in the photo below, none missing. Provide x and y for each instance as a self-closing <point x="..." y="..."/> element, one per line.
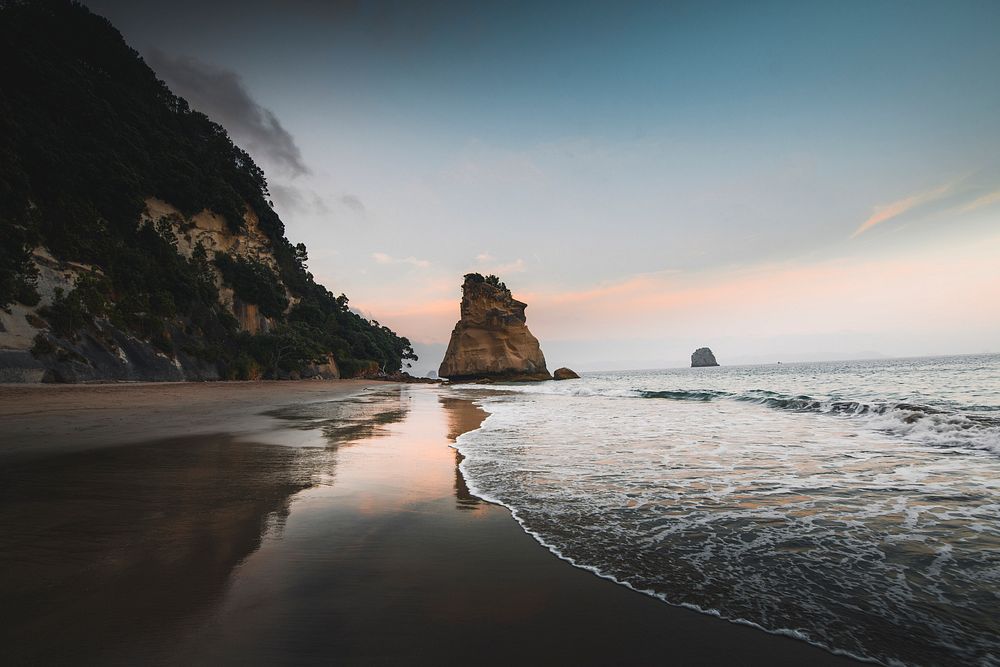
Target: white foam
<point x="538" y="537"/>
<point x="778" y="519"/>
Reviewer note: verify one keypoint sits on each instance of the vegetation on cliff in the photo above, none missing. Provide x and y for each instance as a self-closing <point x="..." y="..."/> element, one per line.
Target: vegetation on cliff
<point x="87" y="134"/>
<point x="479" y="279"/>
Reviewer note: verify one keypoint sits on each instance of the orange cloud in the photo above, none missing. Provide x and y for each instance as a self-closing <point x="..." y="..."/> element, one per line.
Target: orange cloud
<point x="980" y="202"/>
<point x="780" y="299"/>
<point x="897" y="208"/>
<point x="421" y="321"/>
<point x="890" y="293"/>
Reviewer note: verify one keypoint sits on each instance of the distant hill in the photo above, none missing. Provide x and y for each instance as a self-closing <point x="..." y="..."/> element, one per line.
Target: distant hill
<point x="138" y="242"/>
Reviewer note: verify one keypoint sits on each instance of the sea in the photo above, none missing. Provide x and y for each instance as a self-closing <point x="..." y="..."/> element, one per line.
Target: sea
<point x="854" y="505"/>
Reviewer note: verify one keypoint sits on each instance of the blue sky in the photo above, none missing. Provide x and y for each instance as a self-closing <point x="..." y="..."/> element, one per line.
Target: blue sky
<point x="687" y="153"/>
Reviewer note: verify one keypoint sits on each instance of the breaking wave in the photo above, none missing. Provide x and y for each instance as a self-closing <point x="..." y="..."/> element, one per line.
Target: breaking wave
<point x="928" y="424"/>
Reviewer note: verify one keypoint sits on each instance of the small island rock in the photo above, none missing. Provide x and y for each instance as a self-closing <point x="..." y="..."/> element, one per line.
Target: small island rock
<point x="564" y="374"/>
<point x="703" y="357"/>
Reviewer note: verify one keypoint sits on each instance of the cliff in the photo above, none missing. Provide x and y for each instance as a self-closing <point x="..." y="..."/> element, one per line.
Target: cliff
<point x="38" y="345"/>
<point x="491" y="340"/>
<point x="139" y="242"/>
<point x="703" y="357"/>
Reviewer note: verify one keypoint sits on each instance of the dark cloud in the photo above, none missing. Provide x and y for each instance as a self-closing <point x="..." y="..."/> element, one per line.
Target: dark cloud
<point x="220" y="11"/>
<point x="221" y="95"/>
<point x="290" y="199"/>
<point x="354" y="203"/>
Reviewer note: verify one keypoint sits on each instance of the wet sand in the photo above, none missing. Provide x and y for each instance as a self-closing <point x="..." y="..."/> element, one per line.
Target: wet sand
<point x="333" y="531"/>
<point x="49" y="418"/>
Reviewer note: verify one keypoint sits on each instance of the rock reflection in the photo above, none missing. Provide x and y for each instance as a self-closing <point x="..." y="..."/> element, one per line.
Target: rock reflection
<point x="351" y="420"/>
<point x="116" y="552"/>
<point x="463" y="416"/>
<point x="111" y="546"/>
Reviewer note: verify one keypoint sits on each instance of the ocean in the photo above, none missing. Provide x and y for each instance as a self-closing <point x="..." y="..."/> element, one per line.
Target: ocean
<point x="854" y="505"/>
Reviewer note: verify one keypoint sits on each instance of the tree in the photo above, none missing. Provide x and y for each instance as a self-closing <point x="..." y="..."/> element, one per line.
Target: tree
<point x="301" y="255"/>
<point x="293" y="345"/>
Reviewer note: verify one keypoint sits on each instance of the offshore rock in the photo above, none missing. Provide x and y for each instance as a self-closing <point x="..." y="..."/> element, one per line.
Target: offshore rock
<point x="703" y="357"/>
<point x="491" y="340"/>
<point x="564" y="374"/>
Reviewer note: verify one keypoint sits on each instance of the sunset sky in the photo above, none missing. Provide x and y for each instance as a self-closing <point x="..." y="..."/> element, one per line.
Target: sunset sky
<point x="782" y="181"/>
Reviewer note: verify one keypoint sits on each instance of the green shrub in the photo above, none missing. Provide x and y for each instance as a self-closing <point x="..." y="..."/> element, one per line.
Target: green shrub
<point x="42" y="346"/>
<point x="253" y="282"/>
<point x="66" y="314"/>
<point x="27" y="292"/>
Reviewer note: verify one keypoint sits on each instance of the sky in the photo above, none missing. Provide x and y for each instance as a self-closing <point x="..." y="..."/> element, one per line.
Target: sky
<point x="777" y="181"/>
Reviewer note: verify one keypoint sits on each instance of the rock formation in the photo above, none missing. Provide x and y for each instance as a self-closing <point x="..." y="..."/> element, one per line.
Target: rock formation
<point x="491" y="340"/>
<point x="564" y="374"/>
<point x="703" y="357"/>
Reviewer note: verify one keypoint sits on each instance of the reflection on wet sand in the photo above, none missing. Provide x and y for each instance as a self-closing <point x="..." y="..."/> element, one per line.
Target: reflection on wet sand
<point x="463" y="416"/>
<point x="107" y="546"/>
<point x="348" y="420"/>
<point x="383" y="568"/>
<point x="125" y="546"/>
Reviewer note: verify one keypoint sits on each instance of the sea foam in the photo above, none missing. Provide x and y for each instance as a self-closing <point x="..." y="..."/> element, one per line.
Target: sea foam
<point x="853" y="512"/>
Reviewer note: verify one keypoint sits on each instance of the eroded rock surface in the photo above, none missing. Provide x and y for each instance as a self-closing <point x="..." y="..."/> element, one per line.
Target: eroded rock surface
<point x="491" y="340"/>
<point x="30" y="352"/>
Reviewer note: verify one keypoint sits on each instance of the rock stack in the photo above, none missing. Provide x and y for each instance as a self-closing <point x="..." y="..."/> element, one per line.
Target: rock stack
<point x="491" y="340"/>
<point x="703" y="357"/>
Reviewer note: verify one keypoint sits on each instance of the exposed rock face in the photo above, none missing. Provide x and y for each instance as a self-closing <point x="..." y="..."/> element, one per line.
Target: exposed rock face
<point x="109" y="354"/>
<point x="491" y="340"/>
<point x="703" y="357"/>
<point x="564" y="374"/>
<point x="210" y="230"/>
<point x="322" y="371"/>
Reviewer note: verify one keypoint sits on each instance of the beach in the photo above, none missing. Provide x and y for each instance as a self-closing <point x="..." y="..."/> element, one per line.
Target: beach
<point x="40" y="420"/>
<point x="667" y="325"/>
<point x="264" y="523"/>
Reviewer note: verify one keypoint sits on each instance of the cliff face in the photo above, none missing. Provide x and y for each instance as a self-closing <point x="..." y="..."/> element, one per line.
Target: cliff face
<point x="137" y="241"/>
<point x="703" y="357"/>
<point x="492" y="340"/>
<point x="32" y="351"/>
<point x="210" y="231"/>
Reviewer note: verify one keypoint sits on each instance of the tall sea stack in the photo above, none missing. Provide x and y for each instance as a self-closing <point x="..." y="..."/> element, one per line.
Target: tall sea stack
<point x="703" y="357"/>
<point x="491" y="340"/>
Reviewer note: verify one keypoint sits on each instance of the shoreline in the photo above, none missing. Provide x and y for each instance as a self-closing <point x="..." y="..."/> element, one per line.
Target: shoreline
<point x="712" y="613"/>
<point x="361" y="540"/>
<point x="782" y="632"/>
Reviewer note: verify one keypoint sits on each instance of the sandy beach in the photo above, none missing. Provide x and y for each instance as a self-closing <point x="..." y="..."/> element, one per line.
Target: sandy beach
<point x="292" y="523"/>
<point x="40" y="420"/>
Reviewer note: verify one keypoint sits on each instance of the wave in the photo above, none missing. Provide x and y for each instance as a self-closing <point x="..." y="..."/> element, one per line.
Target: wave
<point x="681" y="395"/>
<point x="935" y="425"/>
<point x="927" y="424"/>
